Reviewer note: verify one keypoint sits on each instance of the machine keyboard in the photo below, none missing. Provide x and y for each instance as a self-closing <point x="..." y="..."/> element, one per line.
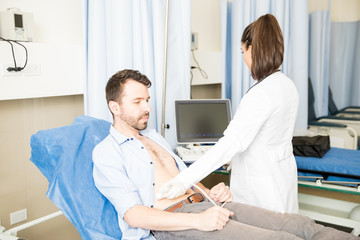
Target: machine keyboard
<point x="193" y="153"/>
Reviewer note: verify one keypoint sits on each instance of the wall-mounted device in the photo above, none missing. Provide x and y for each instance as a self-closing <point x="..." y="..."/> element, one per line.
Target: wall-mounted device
<point x="194" y="41"/>
<point x="17" y="25"/>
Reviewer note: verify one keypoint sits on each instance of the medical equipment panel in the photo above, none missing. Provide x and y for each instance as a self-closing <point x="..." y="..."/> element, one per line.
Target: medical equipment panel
<point x="191" y="154"/>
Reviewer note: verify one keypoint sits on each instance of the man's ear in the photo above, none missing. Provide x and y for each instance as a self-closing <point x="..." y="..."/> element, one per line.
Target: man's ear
<point x="114" y="108"/>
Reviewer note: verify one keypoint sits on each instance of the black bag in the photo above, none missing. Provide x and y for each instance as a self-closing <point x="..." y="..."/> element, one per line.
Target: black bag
<point x="315" y="146"/>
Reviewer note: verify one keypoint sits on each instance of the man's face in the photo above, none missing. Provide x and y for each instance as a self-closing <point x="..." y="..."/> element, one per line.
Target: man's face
<point x="134" y="105"/>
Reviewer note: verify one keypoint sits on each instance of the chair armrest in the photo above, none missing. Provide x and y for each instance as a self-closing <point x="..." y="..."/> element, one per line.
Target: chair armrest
<point x="327" y="124"/>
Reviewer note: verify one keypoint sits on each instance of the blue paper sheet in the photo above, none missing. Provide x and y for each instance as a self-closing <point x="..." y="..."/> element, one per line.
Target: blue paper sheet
<point x="64" y="156"/>
<point x="337" y="164"/>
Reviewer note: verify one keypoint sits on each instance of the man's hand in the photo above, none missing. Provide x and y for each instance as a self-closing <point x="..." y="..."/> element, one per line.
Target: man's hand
<point x="214" y="218"/>
<point x="172" y="189"/>
<point x="220" y="193"/>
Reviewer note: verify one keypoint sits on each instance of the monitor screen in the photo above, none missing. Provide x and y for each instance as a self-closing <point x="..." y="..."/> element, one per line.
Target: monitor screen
<point x="201" y="121"/>
<point x="18" y="20"/>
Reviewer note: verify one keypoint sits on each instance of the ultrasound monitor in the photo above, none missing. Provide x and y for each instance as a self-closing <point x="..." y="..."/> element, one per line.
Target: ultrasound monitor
<point x="201" y="121"/>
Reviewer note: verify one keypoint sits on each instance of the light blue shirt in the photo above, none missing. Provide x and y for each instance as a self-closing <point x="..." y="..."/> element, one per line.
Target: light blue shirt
<point x="124" y="174"/>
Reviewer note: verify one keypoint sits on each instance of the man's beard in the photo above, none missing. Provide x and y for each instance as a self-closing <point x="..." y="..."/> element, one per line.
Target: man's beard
<point x="135" y="123"/>
<point x="142" y="126"/>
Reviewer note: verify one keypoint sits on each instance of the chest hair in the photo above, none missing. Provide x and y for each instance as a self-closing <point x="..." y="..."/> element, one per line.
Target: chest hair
<point x="156" y="152"/>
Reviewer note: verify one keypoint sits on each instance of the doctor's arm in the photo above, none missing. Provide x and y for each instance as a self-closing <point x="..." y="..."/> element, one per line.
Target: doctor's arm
<point x="250" y="116"/>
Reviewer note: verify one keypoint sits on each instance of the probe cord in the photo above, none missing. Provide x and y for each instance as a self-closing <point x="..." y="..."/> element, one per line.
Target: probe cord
<point x="203" y="192"/>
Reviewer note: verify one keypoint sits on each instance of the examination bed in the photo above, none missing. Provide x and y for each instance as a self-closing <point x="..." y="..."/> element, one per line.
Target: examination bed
<point x="338" y="171"/>
<point x="337" y="164"/>
<point x="64" y="156"/>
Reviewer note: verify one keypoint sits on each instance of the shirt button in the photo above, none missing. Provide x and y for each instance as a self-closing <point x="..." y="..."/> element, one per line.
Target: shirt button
<point x="153" y="184"/>
<point x="142" y="147"/>
<point x="131" y="138"/>
<point x="151" y="162"/>
<point x="152" y="206"/>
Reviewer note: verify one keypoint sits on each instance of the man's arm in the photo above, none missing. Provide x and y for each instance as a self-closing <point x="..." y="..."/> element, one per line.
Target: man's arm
<point x="212" y="219"/>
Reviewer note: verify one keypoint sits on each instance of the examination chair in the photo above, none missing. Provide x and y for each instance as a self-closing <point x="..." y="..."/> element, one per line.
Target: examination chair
<point x="64" y="156"/>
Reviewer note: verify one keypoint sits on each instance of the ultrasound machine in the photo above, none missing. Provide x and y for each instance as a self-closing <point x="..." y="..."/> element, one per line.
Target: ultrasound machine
<point x="199" y="125"/>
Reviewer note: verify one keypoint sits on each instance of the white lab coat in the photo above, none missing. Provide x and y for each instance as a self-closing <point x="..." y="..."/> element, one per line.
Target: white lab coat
<point x="258" y="144"/>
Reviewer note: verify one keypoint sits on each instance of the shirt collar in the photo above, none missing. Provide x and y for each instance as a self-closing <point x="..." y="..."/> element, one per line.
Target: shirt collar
<point x="121" y="138"/>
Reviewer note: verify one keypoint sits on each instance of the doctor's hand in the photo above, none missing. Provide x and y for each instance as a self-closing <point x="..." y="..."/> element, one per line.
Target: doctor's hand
<point x="220" y="193"/>
<point x="172" y="189"/>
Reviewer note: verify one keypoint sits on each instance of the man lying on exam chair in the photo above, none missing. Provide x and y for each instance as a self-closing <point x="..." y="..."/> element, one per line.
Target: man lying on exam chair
<point x="132" y="163"/>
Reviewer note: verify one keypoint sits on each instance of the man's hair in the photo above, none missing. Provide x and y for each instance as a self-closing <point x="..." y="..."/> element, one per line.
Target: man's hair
<point x="266" y="39"/>
<point x="115" y="85"/>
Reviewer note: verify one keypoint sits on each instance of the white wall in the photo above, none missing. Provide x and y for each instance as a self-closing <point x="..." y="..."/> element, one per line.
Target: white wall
<point x="55" y="64"/>
<point x="341" y="11"/>
<point x="55" y="21"/>
<point x="205" y="21"/>
<point x="58" y="50"/>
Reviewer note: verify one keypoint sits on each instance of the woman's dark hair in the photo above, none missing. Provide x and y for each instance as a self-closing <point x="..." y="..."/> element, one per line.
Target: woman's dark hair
<point x="266" y="39"/>
<point x="246" y="38"/>
<point x="114" y="87"/>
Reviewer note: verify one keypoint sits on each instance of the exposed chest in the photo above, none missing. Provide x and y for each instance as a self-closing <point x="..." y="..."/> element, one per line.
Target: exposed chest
<point x="161" y="158"/>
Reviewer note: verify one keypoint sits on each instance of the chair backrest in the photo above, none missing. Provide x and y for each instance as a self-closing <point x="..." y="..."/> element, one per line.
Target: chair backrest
<point x="311" y="101"/>
<point x="332" y="109"/>
<point x="64" y="156"/>
<point x="332" y="106"/>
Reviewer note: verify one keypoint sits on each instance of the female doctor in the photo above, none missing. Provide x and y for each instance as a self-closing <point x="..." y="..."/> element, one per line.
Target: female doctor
<point x="257" y="141"/>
